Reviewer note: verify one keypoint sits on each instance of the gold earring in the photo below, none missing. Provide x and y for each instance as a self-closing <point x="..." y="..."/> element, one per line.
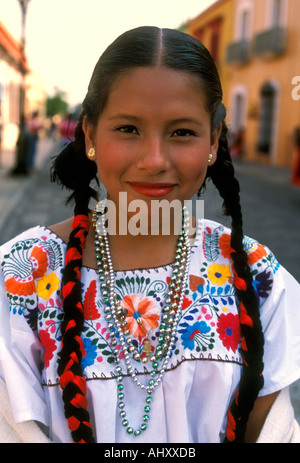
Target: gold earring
<point x="91" y="153"/>
<point x="210" y="157"/>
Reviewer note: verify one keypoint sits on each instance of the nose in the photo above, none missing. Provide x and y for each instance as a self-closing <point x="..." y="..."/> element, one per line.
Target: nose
<point x="153" y="156"/>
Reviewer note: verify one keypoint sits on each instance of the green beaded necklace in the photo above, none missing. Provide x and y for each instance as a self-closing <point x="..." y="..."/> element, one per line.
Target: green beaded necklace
<point x="115" y="316"/>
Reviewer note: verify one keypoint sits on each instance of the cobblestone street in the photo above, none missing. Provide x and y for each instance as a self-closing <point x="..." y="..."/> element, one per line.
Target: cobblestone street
<point x="271" y="212"/>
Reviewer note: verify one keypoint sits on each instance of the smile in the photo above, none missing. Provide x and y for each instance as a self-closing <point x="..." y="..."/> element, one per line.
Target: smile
<point x="152" y="189"/>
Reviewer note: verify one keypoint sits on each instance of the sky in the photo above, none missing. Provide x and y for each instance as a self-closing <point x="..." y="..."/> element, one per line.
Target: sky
<point x="64" y="38"/>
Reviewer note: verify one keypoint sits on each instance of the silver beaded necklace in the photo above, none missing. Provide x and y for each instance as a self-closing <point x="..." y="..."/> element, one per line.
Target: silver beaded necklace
<point x="116" y="319"/>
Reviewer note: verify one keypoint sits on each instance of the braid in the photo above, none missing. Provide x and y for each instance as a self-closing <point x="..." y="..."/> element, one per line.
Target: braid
<point x="70" y="371"/>
<point x="222" y="175"/>
<point x="72" y="169"/>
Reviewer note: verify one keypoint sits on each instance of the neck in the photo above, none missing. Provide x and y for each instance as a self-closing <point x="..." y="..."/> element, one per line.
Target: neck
<point x="135" y="251"/>
<point x="132" y="252"/>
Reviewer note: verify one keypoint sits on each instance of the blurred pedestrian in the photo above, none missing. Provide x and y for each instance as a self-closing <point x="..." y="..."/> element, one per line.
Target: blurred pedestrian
<point x="186" y="336"/>
<point x="22" y="150"/>
<point x="34" y="127"/>
<point x="237" y="146"/>
<point x="1" y="128"/>
<point x="67" y="128"/>
<point x="296" y="158"/>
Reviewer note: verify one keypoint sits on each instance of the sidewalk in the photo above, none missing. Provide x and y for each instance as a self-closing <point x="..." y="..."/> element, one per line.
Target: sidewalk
<point x="266" y="172"/>
<point x="12" y="189"/>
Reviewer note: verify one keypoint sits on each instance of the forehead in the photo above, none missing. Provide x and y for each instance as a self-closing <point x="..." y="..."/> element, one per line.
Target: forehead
<point x="156" y="88"/>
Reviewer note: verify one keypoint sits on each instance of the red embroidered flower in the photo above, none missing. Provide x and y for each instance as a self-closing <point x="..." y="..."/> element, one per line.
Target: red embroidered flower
<point x="90" y="310"/>
<point x="49" y="346"/>
<point x="225" y="246"/>
<point x="229" y="331"/>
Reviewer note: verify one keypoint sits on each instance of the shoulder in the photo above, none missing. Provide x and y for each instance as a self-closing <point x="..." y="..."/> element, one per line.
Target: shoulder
<point x="29" y="238"/>
<point x="216" y="248"/>
<point x="62" y="229"/>
<point x="28" y="257"/>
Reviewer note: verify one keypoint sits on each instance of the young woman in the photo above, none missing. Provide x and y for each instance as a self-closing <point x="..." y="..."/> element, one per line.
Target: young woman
<point x="110" y="336"/>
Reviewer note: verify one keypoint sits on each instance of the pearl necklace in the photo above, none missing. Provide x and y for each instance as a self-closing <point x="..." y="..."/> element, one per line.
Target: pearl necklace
<point x="116" y="319"/>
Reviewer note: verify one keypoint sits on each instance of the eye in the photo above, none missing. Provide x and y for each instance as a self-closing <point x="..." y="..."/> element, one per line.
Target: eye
<point x="183" y="133"/>
<point x="128" y="129"/>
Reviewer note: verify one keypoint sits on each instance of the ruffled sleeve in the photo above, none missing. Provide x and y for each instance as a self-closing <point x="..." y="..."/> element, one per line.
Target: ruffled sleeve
<point x="280" y="315"/>
<point x="279" y="295"/>
<point x="21" y="353"/>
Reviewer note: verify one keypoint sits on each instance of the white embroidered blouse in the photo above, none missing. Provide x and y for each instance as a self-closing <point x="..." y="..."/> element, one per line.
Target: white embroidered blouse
<point x="203" y="373"/>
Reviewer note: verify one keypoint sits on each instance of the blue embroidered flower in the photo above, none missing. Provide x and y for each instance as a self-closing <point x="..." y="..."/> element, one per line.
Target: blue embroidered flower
<point x="91" y="353"/>
<point x="194" y="333"/>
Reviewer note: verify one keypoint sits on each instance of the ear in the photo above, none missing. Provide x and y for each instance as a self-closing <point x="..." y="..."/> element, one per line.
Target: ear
<point x="214" y="144"/>
<point x="89" y="134"/>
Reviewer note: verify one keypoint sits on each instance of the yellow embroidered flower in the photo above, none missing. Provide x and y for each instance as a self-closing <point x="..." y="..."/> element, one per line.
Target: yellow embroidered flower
<point x="218" y="274"/>
<point x="47" y="285"/>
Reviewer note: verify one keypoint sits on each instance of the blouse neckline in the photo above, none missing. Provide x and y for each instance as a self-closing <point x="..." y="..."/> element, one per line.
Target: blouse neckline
<point x="194" y="243"/>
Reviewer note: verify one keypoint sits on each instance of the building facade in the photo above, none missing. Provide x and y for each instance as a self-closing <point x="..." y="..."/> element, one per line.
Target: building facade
<point x="260" y="71"/>
<point x="21" y="91"/>
<point x="13" y="68"/>
<point x="264" y="58"/>
<point x="214" y="29"/>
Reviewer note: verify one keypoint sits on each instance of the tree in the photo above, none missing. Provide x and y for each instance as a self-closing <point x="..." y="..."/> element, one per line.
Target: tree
<point x="57" y="104"/>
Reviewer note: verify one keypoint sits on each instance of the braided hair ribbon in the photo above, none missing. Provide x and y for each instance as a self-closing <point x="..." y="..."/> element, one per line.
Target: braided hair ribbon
<point x="72" y="382"/>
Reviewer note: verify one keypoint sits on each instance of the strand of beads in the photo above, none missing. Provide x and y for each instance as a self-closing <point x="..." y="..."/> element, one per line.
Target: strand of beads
<point x="116" y="319"/>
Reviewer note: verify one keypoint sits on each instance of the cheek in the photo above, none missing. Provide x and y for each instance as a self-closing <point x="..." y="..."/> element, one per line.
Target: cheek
<point x="194" y="171"/>
<point x="195" y="166"/>
<point x="110" y="160"/>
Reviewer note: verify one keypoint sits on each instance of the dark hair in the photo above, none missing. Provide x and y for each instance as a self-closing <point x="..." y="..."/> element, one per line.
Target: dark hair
<point x="150" y="46"/>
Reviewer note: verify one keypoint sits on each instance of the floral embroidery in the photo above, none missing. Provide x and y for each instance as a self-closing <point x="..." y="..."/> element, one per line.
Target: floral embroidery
<point x="263" y="283"/>
<point x="90" y="350"/>
<point x="49" y="346"/>
<point x="229" y="330"/>
<point x="47" y="285"/>
<point x="219" y="274"/>
<point x="197" y="334"/>
<point x="90" y="310"/>
<point x="208" y="320"/>
<point x="195" y="281"/>
<point x="25" y="264"/>
<point x="142" y="315"/>
<point x="225" y="246"/>
<point x="257" y="252"/>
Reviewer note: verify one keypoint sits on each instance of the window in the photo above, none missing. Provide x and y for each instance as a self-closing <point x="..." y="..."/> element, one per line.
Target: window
<point x="214" y="48"/>
<point x="268" y="97"/>
<point x="276" y="13"/>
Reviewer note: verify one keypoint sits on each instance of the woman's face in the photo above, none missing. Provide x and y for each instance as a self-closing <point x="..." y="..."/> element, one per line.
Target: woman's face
<point x="153" y="139"/>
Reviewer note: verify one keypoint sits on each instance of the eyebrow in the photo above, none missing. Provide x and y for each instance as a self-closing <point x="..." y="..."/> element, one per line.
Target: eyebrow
<point x="181" y="120"/>
<point x="124" y="116"/>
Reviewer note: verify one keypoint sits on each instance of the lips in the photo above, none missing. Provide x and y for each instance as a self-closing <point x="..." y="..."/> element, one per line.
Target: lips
<point x="152" y="189"/>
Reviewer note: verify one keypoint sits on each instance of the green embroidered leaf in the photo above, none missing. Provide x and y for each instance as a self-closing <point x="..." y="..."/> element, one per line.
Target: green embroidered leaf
<point x="106" y="352"/>
<point x="102" y="346"/>
<point x="211" y="246"/>
<point x="55" y="253"/>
